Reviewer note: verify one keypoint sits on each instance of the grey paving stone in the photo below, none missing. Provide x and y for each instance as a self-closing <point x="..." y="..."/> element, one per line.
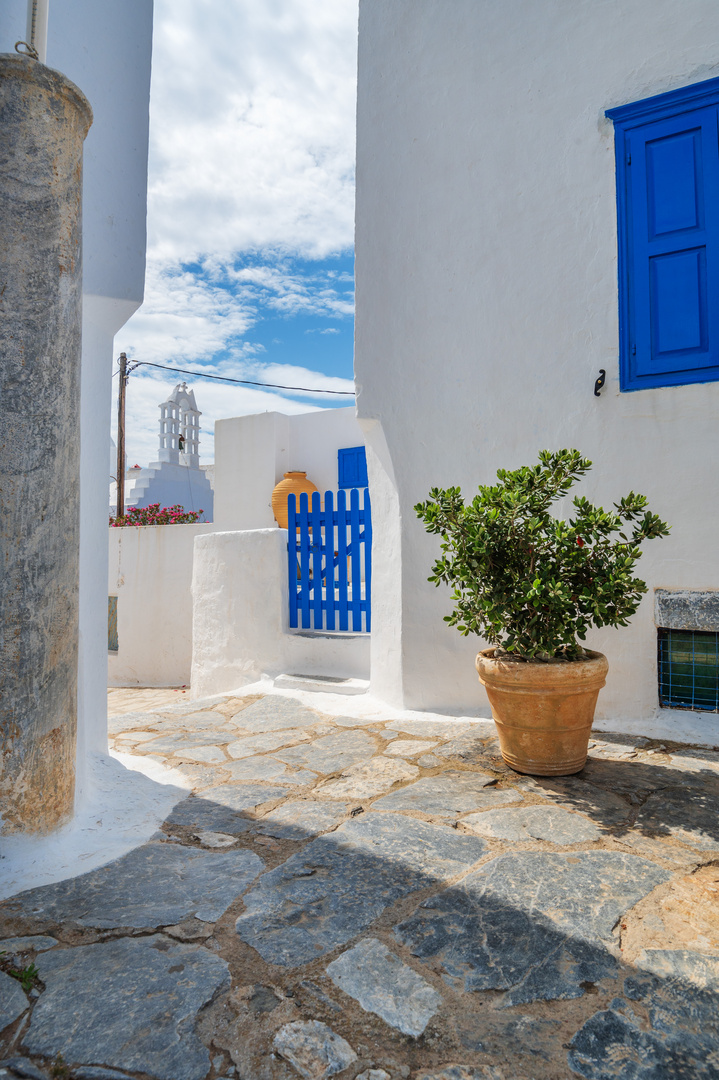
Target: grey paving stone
<point x="690" y="815"/>
<point x="476" y="747"/>
<point x="273" y="713"/>
<point x="533" y="924"/>
<point x="441" y="729"/>
<point x="215" y="839"/>
<point x="22" y="1066"/>
<point x="634" y="780"/>
<point x="367" y="779"/>
<point x="490" y="799"/>
<point x="136" y="738"/>
<point x="241" y="796"/>
<point x="301" y="819"/>
<point x="313" y="1049"/>
<point x="695" y="759"/>
<point x="210" y="755"/>
<point x="92" y="1072"/>
<point x="183" y="741"/>
<point x="464" y="1072"/>
<point x="268" y="768"/>
<point x="355" y="721"/>
<point x="183" y="706"/>
<point x="197" y="813"/>
<point x="384" y="985"/>
<point x="446" y="795"/>
<point x="154" y="885"/>
<point x="332" y="752"/>
<point x="128" y="721"/>
<point x="605" y="808"/>
<point x="534" y="823"/>
<point x="143" y="1021"/>
<point x="200" y="723"/>
<point x="199" y="777"/>
<point x="613" y="1046"/>
<point x="409" y="747"/>
<point x="250" y="745"/>
<point x="429" y="761"/>
<point x="693" y="968"/>
<point x="337" y="886"/>
<point x="13" y="1002"/>
<point x="34" y="943"/>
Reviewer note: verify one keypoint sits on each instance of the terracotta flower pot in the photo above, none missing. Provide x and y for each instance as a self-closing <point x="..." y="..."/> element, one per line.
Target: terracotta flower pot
<point x="543" y="712"/>
<point x="294" y="483"/>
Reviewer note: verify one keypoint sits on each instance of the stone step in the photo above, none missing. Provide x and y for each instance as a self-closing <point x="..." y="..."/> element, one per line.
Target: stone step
<point x="327" y="684"/>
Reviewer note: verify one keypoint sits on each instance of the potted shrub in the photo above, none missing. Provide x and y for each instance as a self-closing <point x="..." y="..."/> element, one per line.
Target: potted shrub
<point x="531" y="585"/>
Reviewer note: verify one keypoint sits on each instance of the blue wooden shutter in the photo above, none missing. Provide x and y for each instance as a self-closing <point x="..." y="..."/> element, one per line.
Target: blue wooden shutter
<point x="668" y="193"/>
<point x="352" y="467"/>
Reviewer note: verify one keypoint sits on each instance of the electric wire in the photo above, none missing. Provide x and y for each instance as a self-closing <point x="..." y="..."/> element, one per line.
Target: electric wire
<point x="243" y="382"/>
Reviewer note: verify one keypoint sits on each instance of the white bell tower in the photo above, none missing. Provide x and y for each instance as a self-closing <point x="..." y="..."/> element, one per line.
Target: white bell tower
<point x="180" y="428"/>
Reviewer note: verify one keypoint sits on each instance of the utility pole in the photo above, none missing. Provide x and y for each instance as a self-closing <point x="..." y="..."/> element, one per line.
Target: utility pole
<point x="120" y="511"/>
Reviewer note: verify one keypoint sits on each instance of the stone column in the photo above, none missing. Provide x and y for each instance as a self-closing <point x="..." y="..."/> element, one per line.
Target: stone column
<point x="44" y="119"/>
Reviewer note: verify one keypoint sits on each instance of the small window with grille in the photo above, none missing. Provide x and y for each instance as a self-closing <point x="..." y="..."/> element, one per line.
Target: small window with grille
<point x="689" y="669"/>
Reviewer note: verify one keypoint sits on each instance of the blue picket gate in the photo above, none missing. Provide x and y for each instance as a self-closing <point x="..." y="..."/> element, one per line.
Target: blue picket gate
<point x="329" y="560"/>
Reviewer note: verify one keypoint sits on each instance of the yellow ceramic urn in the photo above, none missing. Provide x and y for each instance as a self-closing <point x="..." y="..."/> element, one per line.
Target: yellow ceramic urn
<point x="294" y="483"/>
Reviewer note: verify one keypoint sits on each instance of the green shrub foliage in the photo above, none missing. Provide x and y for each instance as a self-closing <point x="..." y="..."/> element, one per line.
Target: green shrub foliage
<point x="531" y="583"/>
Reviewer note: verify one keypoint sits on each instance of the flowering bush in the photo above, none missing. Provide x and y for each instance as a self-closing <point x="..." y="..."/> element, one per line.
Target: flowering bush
<point x="531" y="583"/>
<point x="153" y="515"/>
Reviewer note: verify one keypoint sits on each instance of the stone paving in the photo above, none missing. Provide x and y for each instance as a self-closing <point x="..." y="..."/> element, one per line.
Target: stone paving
<point x="380" y="900"/>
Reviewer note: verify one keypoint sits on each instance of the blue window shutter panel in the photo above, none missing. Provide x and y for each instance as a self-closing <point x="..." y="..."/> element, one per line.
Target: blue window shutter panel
<point x="352" y="467"/>
<point x="668" y="209"/>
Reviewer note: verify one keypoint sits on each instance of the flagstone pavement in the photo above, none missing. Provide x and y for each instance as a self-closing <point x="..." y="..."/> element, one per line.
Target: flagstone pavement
<point x="378" y="899"/>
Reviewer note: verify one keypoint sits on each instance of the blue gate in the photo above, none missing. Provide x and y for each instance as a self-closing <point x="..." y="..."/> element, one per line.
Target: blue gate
<point x="330" y="561"/>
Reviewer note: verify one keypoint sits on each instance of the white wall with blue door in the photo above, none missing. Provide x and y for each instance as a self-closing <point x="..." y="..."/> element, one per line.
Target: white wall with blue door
<point x="489" y="296"/>
<point x="252" y="453"/>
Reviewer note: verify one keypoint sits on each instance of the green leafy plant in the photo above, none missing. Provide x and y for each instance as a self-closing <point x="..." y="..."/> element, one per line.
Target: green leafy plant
<point x="528" y="582"/>
<point x="25" y="976"/>
<point x="59" y="1069"/>
<point x="156" y="515"/>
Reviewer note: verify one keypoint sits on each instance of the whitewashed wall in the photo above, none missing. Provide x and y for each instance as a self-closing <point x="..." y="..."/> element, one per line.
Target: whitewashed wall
<point x="241" y="618"/>
<point x="487" y="302"/>
<point x="105" y="48"/>
<point x="150" y="572"/>
<point x="252" y="453"/>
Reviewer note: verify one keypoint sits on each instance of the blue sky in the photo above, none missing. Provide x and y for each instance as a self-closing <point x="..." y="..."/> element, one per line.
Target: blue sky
<point x="250" y="210"/>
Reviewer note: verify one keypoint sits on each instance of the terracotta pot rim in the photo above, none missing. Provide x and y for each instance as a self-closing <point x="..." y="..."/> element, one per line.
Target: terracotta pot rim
<point x="536" y="677"/>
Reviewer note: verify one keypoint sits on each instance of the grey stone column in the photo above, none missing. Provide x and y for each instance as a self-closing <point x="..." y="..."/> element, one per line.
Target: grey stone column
<point x="44" y="119"/>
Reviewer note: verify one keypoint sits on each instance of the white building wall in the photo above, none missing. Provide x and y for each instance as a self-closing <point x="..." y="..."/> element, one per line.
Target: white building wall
<point x="150" y="572"/>
<point x="241" y="618"/>
<point x="106" y="49"/>
<point x="252" y="453"/>
<point x="486" y="271"/>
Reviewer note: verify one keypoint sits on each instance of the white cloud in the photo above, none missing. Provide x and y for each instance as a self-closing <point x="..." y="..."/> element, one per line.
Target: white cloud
<point x="252" y="127"/>
<point x="251" y="153"/>
<point x="193" y="317"/>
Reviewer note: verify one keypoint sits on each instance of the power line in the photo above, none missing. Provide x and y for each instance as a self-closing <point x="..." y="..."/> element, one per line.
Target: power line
<point x="243" y="382"/>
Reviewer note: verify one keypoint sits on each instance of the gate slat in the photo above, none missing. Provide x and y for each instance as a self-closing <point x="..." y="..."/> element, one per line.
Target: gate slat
<point x="356" y="602"/>
<point x="292" y="556"/>
<point x="367" y="561"/>
<point x="316" y="524"/>
<point x="342" y="557"/>
<point x="329" y="560"/>
<point x="305" y="583"/>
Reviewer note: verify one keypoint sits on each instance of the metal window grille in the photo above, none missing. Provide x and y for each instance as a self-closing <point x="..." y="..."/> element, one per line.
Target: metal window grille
<point x="689" y="669"/>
